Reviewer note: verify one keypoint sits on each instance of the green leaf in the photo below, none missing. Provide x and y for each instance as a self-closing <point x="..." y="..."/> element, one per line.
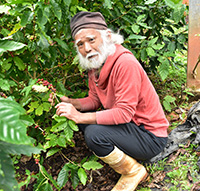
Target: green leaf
<point x="8" y="45"/>
<point x="16" y="28"/>
<point x="61" y="43"/>
<point x="4" y="85"/>
<point x="52" y="152"/>
<point x="27" y="120"/>
<point x="108" y="4"/>
<point x="19" y="1"/>
<point x="63" y="176"/>
<point x="82" y="175"/>
<point x="53" y="141"/>
<point x="152" y="41"/>
<point x="44" y="172"/>
<point x="81" y="8"/>
<point x="19" y="149"/>
<point x="39" y="110"/>
<point x="150" y="52"/>
<point x="150" y="2"/>
<point x="181" y="39"/>
<point x="1" y="171"/>
<point x="169" y="99"/>
<point x="7" y="181"/>
<point x="144" y="25"/>
<point x="167" y="106"/>
<point x="13" y="130"/>
<point x="61" y="141"/>
<point x="178" y="14"/>
<point x="73" y="125"/>
<point x="41" y="19"/>
<point x="140" y="18"/>
<point x="51" y="137"/>
<point x="68" y="133"/>
<point x="56" y="9"/>
<point x="4" y="9"/>
<point x="59" y="126"/>
<point x="27" y="90"/>
<point x="171" y="46"/>
<point x="67" y="2"/>
<point x="158" y="46"/>
<point x="173" y="3"/>
<point x="46" y="106"/>
<point x="32" y="106"/>
<point x="19" y="63"/>
<point x="59" y="118"/>
<point x="47" y="186"/>
<point x="26" y="18"/>
<point x="43" y="42"/>
<point x="134" y="36"/>
<point x="135" y="28"/>
<point x="47" y="145"/>
<point x="143" y="54"/>
<point x="167" y="102"/>
<point x="92" y="165"/>
<point x="163" y="69"/>
<point x="6" y="65"/>
<point x="74" y="178"/>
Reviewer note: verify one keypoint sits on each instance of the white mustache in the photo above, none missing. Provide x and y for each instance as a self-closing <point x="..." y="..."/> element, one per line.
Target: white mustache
<point x="92" y="54"/>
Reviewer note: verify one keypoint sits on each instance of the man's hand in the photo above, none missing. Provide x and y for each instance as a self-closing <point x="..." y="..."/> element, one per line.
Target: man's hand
<point x="52" y="97"/>
<point x="65" y="99"/>
<point x="68" y="110"/>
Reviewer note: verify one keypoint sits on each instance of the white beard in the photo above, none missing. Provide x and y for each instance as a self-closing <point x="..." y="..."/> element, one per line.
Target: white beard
<point x="106" y="49"/>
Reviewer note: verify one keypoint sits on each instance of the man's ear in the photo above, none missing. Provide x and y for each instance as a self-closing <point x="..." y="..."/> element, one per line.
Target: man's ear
<point x="109" y="34"/>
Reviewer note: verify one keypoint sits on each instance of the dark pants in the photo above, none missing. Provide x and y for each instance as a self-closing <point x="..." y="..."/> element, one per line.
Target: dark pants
<point x="135" y="141"/>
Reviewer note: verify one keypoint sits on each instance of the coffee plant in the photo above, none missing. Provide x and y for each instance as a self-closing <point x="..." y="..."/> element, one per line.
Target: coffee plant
<point x="13" y="140"/>
<point x="38" y="58"/>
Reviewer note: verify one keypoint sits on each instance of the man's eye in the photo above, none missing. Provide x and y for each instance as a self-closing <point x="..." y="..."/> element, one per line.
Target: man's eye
<point x="92" y="40"/>
<point x="80" y="44"/>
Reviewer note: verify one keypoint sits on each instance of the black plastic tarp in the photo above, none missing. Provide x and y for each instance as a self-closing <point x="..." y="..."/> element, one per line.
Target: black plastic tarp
<point x="187" y="132"/>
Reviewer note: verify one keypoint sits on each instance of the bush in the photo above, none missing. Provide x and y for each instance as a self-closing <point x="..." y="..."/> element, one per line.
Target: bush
<point x="36" y="44"/>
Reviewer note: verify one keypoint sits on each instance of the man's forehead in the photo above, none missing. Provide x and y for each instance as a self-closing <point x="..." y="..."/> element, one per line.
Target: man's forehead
<point x="86" y="32"/>
<point x="90" y="36"/>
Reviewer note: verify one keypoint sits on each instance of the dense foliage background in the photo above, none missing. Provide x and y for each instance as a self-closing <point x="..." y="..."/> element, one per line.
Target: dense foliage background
<point x="36" y="43"/>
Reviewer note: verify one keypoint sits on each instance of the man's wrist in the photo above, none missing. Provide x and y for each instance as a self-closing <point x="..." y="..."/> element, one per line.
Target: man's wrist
<point x="86" y="118"/>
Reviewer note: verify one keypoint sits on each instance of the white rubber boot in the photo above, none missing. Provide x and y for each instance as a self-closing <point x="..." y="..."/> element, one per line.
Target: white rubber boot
<point x="132" y="172"/>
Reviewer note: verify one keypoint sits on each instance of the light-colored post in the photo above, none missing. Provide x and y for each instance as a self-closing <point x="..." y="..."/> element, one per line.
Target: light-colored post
<point x="193" y="63"/>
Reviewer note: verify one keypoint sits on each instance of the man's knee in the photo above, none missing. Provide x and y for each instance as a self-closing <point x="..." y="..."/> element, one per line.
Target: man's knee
<point x="92" y="135"/>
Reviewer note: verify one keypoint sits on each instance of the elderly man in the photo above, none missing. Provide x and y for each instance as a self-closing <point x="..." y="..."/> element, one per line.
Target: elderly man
<point x="132" y="126"/>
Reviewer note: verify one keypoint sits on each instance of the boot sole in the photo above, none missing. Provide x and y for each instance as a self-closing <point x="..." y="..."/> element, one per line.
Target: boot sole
<point x="142" y="179"/>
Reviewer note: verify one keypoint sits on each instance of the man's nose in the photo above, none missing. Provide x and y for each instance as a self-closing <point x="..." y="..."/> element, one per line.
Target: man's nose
<point x="88" y="47"/>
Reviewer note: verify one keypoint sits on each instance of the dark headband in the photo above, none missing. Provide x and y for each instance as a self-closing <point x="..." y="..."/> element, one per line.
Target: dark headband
<point x="84" y="20"/>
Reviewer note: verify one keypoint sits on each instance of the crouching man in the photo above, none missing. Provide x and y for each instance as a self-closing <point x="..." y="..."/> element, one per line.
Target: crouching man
<point x="132" y="126"/>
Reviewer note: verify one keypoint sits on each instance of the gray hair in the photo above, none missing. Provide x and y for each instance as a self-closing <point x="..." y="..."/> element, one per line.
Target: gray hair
<point x="116" y="38"/>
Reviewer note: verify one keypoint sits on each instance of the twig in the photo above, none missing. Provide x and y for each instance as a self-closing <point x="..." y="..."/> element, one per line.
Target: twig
<point x="15" y="80"/>
<point x="68" y="159"/>
<point x="54" y="96"/>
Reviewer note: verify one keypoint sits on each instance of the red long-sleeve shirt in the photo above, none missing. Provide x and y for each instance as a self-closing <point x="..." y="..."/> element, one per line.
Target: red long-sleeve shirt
<point x="126" y="93"/>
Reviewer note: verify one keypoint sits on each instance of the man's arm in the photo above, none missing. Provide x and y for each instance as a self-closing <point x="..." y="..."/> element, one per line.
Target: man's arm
<point x="69" y="111"/>
<point x="75" y="102"/>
